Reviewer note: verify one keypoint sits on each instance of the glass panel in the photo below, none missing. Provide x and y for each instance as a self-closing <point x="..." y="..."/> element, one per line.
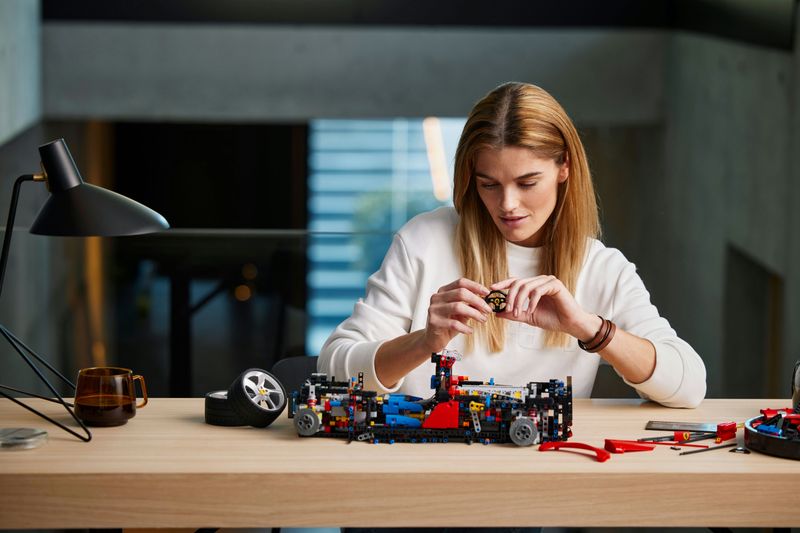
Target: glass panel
<point x="366" y="179"/>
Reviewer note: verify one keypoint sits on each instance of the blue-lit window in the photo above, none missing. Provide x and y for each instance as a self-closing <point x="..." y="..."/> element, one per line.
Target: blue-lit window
<point x="366" y="179"/>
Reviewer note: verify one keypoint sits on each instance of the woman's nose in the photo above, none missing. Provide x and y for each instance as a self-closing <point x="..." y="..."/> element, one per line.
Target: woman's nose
<point x="509" y="200"/>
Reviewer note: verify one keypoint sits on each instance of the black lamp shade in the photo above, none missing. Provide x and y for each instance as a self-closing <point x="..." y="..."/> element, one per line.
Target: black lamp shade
<point x="75" y="208"/>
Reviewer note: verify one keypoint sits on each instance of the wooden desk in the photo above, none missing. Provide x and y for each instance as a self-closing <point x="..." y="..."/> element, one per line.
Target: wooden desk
<point x="166" y="468"/>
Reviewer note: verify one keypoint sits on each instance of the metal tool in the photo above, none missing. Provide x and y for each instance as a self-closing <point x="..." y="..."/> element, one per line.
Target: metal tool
<point x="709" y="449"/>
<point x="681" y="426"/>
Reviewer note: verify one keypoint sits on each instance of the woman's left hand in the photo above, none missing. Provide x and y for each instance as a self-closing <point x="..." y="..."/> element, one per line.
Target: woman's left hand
<point x="550" y="306"/>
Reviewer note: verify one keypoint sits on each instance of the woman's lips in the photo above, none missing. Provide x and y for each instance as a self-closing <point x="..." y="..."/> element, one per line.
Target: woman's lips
<point x="513" y="222"/>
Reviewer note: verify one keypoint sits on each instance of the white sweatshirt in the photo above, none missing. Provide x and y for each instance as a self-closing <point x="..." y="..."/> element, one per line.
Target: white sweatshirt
<point x="422" y="258"/>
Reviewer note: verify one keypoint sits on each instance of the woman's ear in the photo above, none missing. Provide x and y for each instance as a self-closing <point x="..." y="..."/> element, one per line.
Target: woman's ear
<point x="563" y="171"/>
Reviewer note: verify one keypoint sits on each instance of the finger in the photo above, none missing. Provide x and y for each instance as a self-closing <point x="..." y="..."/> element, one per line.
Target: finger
<point x="465" y="283"/>
<point x="512" y="294"/>
<point x="467" y="296"/>
<point x="461" y="309"/>
<point x="523" y="293"/>
<point x="500" y="285"/>
<point x="551" y="288"/>
<point x="507" y="315"/>
<point x="515" y="299"/>
<point x="440" y="314"/>
<point x="451" y="325"/>
<point x="455" y="325"/>
<point x="533" y="300"/>
<point x="548" y="288"/>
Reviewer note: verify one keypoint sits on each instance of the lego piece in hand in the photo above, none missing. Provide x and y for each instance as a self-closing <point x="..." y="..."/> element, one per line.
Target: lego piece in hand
<point x="497" y="301"/>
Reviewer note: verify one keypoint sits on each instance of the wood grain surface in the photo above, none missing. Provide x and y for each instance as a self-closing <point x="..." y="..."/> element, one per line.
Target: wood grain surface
<point x="167" y="468"/>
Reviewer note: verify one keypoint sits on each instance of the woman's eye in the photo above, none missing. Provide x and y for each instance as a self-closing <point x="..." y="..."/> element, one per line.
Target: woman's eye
<point x="488" y="185"/>
<point x="527" y="185"/>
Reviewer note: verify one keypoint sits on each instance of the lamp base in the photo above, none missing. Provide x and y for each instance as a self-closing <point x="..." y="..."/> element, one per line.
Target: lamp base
<point x="24" y="351"/>
<point x="21" y="438"/>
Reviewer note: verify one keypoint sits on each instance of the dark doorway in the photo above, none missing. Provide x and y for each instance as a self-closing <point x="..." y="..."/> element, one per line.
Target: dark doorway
<point x="752" y="343"/>
<point x="232" y="271"/>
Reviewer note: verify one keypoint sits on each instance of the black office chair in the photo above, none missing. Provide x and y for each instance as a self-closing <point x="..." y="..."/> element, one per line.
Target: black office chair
<point x="292" y="372"/>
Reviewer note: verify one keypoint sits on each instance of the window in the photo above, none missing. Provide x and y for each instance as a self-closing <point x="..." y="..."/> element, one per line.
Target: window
<point x="366" y="179"/>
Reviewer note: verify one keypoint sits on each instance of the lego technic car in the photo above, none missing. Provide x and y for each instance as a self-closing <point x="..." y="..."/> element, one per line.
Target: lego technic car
<point x="459" y="409"/>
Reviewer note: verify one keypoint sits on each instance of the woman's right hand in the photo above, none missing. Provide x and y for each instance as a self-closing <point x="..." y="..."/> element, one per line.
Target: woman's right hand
<point x="451" y="307"/>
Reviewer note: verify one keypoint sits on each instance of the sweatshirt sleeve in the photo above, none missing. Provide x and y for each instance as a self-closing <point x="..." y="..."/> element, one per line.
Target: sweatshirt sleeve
<point x="679" y="378"/>
<point x="383" y="314"/>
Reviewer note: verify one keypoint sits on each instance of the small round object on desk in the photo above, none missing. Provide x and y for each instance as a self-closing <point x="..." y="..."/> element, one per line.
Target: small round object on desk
<point x="21" y="438"/>
<point x="770" y="444"/>
<point x="219" y="411"/>
<point x="257" y="397"/>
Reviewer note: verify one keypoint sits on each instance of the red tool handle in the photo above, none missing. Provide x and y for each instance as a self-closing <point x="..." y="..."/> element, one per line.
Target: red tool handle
<point x="602" y="455"/>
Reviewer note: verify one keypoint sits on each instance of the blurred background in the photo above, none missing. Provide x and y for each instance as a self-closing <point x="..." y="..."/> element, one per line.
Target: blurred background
<point x="286" y="141"/>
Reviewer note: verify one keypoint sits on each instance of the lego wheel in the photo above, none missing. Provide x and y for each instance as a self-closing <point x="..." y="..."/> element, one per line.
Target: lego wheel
<point x="257" y="397"/>
<point x="523" y="432"/>
<point x="497" y="301"/>
<point x="306" y="422"/>
<point x="219" y="412"/>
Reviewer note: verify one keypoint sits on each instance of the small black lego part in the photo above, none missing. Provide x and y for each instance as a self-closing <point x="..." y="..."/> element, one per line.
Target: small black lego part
<point x="496" y="300"/>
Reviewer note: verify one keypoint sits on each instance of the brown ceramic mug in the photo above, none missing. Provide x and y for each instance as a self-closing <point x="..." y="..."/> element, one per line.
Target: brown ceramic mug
<point x="106" y="396"/>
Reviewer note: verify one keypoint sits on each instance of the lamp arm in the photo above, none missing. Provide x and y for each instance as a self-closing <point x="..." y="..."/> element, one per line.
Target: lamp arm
<point x="12" y="213"/>
<point x="19" y="346"/>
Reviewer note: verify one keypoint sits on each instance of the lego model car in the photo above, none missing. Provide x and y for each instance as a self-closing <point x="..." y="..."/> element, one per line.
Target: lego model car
<point x="459" y="409"/>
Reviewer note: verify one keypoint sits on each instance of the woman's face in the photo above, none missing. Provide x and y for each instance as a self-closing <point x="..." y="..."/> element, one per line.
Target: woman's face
<point x="519" y="190"/>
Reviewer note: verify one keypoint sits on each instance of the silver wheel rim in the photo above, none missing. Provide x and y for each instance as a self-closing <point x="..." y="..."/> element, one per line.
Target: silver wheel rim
<point x="263" y="390"/>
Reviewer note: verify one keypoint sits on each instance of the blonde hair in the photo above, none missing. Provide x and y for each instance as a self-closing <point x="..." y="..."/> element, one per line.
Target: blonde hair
<point x="522" y="115"/>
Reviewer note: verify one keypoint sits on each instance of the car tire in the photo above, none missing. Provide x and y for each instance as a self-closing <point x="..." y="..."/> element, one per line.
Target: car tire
<point x="257" y="397"/>
<point x="219" y="411"/>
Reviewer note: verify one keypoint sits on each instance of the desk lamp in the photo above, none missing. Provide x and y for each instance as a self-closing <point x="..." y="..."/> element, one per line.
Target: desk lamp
<point x="78" y="209"/>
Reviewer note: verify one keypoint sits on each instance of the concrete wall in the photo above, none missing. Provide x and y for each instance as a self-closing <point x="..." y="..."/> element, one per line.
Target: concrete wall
<point x="20" y="66"/>
<point x="715" y="173"/>
<point x="726" y="155"/>
<point x="791" y="315"/>
<point x="269" y="73"/>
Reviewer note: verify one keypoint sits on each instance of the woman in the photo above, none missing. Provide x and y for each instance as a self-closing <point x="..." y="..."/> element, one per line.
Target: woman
<point x="525" y="222"/>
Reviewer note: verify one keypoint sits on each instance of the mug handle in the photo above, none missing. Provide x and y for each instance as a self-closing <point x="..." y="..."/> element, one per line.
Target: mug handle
<point x="140" y="379"/>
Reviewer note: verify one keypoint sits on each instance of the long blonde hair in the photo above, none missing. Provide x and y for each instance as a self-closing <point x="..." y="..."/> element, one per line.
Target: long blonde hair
<point x="523" y="115"/>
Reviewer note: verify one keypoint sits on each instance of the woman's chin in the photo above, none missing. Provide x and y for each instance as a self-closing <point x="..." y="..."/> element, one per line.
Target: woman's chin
<point x="522" y="238"/>
<point x="517" y="237"/>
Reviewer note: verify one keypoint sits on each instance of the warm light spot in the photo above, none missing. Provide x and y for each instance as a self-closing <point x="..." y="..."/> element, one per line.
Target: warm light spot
<point x="98" y="353"/>
<point x="249" y="271"/>
<point x="242" y="293"/>
<point x="434" y="142"/>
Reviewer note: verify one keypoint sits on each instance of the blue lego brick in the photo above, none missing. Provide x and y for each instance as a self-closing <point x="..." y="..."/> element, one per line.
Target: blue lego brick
<point x="404" y="421"/>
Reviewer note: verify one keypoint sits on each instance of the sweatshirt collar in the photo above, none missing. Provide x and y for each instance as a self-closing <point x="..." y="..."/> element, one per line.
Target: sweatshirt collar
<point x="525" y="253"/>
